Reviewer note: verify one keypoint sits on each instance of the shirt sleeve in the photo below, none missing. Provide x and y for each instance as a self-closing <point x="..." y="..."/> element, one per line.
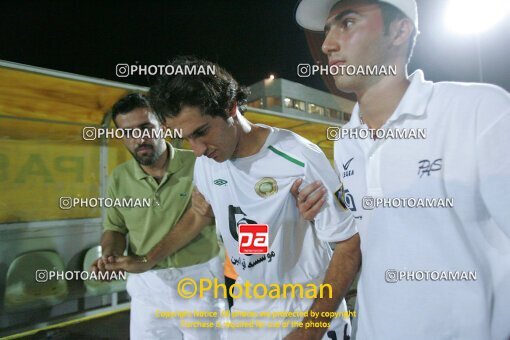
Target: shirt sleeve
<point x="493" y="162"/>
<point x="198" y="178"/>
<point x="114" y="221"/>
<point x="334" y="222"/>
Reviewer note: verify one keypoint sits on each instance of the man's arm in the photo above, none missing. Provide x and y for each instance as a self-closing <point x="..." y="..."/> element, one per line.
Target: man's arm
<point x="113" y="244"/>
<point x="200" y="205"/>
<point x="188" y="227"/>
<point x="333" y="223"/>
<point x="340" y="274"/>
<point x="494" y="170"/>
<point x="113" y="240"/>
<point x="184" y="231"/>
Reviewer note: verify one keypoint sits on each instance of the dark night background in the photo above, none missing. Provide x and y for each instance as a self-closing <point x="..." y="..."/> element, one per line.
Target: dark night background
<point x="252" y="39"/>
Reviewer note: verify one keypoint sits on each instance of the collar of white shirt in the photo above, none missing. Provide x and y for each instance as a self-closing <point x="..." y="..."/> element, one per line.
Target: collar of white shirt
<point x="413" y="103"/>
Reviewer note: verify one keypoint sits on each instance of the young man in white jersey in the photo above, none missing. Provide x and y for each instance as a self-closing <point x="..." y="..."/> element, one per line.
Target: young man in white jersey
<point x="406" y="290"/>
<point x="245" y="171"/>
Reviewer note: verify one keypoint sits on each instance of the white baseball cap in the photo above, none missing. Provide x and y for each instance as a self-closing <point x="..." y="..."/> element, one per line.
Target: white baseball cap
<point x="312" y="14"/>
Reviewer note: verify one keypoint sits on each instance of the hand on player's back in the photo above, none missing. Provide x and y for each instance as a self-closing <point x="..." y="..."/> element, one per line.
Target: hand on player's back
<point x="310" y="199"/>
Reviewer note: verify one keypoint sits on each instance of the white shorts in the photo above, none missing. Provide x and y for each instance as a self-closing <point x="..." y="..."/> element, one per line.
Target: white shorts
<point x="340" y="328"/>
<point x="154" y="294"/>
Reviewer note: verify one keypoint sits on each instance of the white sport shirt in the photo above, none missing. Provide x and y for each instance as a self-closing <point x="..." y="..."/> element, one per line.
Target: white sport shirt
<point x="465" y="156"/>
<point x="298" y="250"/>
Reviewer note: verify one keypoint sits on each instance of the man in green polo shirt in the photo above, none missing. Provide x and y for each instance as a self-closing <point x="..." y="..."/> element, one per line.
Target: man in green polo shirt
<point x="168" y="240"/>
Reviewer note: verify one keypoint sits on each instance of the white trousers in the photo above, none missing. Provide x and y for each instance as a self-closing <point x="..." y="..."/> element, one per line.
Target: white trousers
<point x="339" y="329"/>
<point x="154" y="297"/>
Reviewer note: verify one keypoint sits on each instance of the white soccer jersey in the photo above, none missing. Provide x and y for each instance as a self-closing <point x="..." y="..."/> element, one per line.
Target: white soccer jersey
<point x="465" y="157"/>
<point x="256" y="189"/>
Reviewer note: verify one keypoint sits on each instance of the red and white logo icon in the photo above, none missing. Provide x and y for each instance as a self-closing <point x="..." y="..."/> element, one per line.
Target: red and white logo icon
<point x="253" y="239"/>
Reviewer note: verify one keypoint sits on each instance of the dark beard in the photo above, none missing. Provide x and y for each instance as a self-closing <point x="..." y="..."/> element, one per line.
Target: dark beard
<point x="146" y="160"/>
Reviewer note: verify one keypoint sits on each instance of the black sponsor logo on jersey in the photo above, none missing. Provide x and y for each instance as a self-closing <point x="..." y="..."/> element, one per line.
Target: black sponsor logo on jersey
<point x="234" y="222"/>
<point x="347" y="172"/>
<point x="425" y="167"/>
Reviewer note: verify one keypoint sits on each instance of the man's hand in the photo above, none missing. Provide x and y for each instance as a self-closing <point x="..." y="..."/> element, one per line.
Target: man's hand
<point x="186" y="230"/>
<point x="309" y="200"/>
<point x="130" y="264"/>
<point x="113" y="244"/>
<point x="99" y="265"/>
<point x="200" y="205"/>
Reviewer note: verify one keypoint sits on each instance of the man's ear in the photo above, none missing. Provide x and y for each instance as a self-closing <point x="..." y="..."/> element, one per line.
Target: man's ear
<point x="233" y="110"/>
<point x="400" y="31"/>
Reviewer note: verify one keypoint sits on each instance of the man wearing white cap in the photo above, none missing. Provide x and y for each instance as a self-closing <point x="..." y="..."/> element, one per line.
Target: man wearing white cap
<point x="428" y="271"/>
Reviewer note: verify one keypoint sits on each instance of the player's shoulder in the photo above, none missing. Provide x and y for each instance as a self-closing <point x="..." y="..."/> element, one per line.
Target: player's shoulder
<point x="205" y="165"/>
<point x="187" y="157"/>
<point x="123" y="169"/>
<point x="474" y="95"/>
<point x="122" y="173"/>
<point x="289" y="142"/>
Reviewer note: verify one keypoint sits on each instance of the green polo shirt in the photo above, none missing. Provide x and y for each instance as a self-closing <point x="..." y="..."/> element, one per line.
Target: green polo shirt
<point x="169" y="200"/>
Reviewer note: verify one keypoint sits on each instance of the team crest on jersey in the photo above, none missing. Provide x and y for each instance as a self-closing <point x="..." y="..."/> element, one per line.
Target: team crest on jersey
<point x="340" y="197"/>
<point x="266" y="187"/>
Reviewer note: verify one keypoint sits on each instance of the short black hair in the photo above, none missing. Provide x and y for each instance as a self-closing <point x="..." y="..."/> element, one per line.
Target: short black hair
<point x="213" y="92"/>
<point x="129" y="103"/>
